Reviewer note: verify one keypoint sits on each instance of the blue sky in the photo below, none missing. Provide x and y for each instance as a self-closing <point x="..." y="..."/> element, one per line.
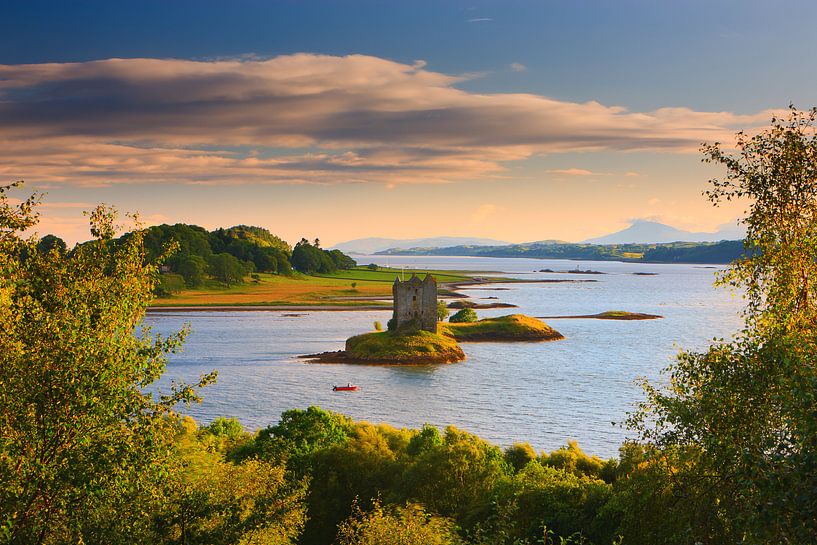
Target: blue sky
<point x="736" y="59"/>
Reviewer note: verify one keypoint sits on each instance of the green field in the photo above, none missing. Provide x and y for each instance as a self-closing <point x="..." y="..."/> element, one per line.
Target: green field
<point x="384" y="274"/>
<point x="306" y="290"/>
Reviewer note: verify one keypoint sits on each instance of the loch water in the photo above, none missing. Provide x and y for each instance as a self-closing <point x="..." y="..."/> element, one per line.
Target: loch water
<point x="544" y="393"/>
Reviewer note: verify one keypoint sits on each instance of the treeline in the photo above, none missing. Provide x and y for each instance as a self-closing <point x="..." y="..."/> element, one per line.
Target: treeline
<point x="716" y="253"/>
<point x="226" y="256"/>
<point x="674" y="252"/>
<point x="454" y="485"/>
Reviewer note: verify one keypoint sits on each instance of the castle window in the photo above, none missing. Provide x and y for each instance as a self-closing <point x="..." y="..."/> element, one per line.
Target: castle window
<point x="414" y="298"/>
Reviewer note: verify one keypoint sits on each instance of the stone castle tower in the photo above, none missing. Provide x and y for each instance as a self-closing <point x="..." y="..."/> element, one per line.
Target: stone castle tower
<point x="415" y="304"/>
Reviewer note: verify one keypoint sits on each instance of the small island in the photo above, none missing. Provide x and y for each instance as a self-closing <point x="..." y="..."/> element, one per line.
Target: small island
<point x="415" y="337"/>
<point x="511" y="328"/>
<point x="471" y="304"/>
<point x="609" y="315"/>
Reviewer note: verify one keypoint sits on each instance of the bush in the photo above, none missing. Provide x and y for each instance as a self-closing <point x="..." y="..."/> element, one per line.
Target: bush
<point x="412" y="524"/>
<point x="378" y="326"/>
<point x="227" y="268"/>
<point x="192" y="268"/>
<point x="442" y="311"/>
<point x="391" y="325"/>
<point x="465" y="315"/>
<point x="372" y="267"/>
<point x="169" y="284"/>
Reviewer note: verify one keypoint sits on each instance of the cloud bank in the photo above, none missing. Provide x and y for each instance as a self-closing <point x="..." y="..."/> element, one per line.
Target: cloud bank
<point x="302" y="119"/>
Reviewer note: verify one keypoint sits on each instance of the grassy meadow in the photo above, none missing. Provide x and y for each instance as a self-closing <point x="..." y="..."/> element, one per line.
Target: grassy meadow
<point x="333" y="289"/>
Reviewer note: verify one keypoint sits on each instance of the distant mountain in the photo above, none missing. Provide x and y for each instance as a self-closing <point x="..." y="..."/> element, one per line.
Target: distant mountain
<point x="373" y="245"/>
<point x="647" y="232"/>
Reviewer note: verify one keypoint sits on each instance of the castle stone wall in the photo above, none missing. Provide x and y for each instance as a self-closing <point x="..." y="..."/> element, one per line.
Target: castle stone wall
<point x="415" y="304"/>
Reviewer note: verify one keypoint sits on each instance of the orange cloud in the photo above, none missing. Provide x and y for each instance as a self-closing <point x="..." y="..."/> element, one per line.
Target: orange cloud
<point x="302" y="119"/>
<point x="573" y="172"/>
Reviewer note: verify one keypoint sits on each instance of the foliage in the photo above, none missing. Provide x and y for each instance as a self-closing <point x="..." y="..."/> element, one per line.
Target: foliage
<point x="737" y="421"/>
<point x="51" y="243"/>
<point x="463" y="316"/>
<point x="428" y="438"/>
<point x="409" y="525"/>
<point x="540" y="500"/>
<point x="217" y="502"/>
<point x="193" y="269"/>
<point x="719" y="252"/>
<point x="255" y="245"/>
<point x="455" y="477"/>
<point x="226" y="268"/>
<point x="310" y="259"/>
<point x="519" y="455"/>
<point x="257" y="236"/>
<point x="169" y="284"/>
<point x="415" y="347"/>
<point x="189" y="239"/>
<point x="361" y="476"/>
<point x="300" y="433"/>
<point x="378" y="326"/>
<point x="372" y="267"/>
<point x="673" y="252"/>
<point x="573" y="460"/>
<point x="84" y="449"/>
<point x="442" y="311"/>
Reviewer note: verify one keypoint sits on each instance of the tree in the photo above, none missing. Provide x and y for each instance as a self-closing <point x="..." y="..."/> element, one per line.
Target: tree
<point x="464" y="315"/>
<point x="454" y="476"/>
<point x="300" y="433"/>
<point x="306" y="258"/>
<point x="169" y="284"/>
<point x="215" y="502"/>
<point x="52" y="242"/>
<point x="192" y="268"/>
<point x="737" y="424"/>
<point x="409" y="525"/>
<point x="226" y="268"/>
<point x="442" y="311"/>
<point x="84" y="450"/>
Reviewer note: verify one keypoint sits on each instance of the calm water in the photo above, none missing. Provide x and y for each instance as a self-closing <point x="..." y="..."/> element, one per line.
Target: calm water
<point x="543" y="393"/>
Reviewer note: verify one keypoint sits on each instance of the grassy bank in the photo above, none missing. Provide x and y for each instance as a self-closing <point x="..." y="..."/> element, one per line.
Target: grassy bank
<point x="389" y="347"/>
<point x="306" y="290"/>
<point x="515" y="327"/>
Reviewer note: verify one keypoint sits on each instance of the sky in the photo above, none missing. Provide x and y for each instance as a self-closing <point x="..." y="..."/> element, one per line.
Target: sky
<point x="513" y="120"/>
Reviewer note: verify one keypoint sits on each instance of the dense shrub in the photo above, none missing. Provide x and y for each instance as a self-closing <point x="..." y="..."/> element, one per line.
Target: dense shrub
<point x="464" y="316"/>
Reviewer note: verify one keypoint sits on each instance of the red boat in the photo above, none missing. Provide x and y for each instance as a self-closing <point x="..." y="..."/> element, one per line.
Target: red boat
<point x="348" y="388"/>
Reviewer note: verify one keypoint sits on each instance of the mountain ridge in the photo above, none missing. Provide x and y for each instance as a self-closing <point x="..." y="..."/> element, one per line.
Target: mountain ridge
<point x="652" y="232"/>
<point x="371" y="245"/>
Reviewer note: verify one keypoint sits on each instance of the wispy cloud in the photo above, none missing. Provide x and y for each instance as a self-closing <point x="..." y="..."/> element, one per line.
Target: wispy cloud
<point x="573" y="172"/>
<point x="518" y="67"/>
<point x="302" y="119"/>
<point x="480" y="20"/>
<point x="484" y="211"/>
